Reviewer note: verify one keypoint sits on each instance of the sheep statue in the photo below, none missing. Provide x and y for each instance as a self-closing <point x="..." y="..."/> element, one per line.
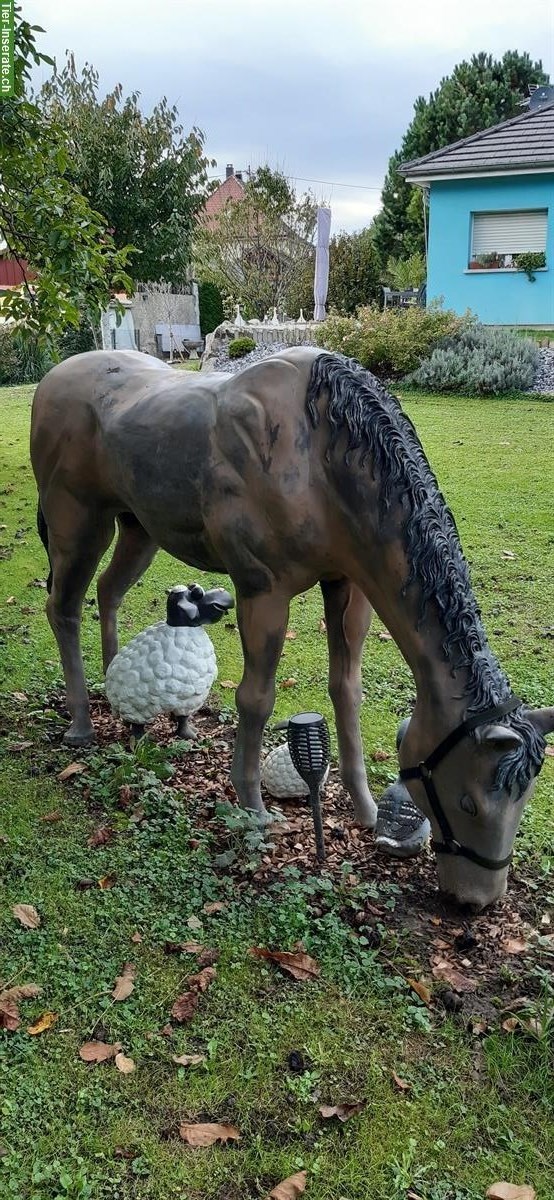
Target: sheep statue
<point x="279" y="775"/>
<point x="171" y="666"/>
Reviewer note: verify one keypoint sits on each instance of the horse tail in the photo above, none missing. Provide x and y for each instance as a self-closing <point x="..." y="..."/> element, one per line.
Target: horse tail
<point x="42" y="528"/>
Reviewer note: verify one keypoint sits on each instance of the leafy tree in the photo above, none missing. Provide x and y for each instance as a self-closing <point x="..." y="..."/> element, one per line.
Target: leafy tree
<point x="257" y="246"/>
<point x="478" y="93"/>
<point x="44" y="220"/>
<point x="354" y="276"/>
<point x="142" y="172"/>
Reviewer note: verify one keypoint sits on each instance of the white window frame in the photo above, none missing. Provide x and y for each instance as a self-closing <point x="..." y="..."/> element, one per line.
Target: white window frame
<point x="529" y="237"/>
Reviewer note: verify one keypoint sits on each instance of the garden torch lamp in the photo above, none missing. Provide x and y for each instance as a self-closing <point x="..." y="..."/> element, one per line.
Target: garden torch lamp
<point x="309" y="746"/>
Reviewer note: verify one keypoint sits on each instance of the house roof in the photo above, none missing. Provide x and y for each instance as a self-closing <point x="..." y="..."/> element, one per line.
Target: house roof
<point x="524" y="143"/>
<point x="231" y="189"/>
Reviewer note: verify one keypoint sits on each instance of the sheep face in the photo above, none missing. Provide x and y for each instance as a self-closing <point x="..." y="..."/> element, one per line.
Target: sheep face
<point x="192" y="606"/>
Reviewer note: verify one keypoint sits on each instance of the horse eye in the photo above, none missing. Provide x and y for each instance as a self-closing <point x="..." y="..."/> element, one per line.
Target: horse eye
<point x="468" y="805"/>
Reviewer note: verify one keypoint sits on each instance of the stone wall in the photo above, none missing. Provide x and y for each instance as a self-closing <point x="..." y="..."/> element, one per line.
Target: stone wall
<point x="153" y="308"/>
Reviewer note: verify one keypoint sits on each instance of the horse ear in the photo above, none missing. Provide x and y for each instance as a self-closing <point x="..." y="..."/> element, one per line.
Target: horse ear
<point x="542" y="719"/>
<point x="498" y="737"/>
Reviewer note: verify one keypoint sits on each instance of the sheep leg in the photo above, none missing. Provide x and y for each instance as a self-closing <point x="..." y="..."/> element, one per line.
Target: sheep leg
<point x="185" y="728"/>
<point x="262" y="622"/>
<point x="133" y="553"/>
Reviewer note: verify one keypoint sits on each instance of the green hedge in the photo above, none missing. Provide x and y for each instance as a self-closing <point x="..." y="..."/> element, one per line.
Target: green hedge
<point x="210" y="303"/>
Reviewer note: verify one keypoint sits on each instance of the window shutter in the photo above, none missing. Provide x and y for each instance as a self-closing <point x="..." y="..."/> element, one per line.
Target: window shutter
<point x="509" y="232"/>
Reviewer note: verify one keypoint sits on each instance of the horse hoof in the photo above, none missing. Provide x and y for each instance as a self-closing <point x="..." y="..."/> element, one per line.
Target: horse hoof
<point x="79" y="740"/>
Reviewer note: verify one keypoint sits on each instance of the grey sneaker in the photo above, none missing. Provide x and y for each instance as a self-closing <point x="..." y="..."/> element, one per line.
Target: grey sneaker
<point x="401" y="830"/>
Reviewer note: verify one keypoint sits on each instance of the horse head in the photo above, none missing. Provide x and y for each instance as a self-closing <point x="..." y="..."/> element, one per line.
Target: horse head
<point x="473" y="787"/>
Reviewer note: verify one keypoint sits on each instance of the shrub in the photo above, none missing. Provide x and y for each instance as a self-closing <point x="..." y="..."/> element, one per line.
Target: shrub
<point x="22" y="358"/>
<point x="477" y="361"/>
<point x="210" y="303"/>
<point x="241" y="346"/>
<point x="530" y="262"/>
<point x="76" y="341"/>
<point x="391" y="342"/>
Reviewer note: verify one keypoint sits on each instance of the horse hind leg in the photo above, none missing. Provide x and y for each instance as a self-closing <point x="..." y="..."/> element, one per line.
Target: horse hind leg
<point x="77" y="539"/>
<point x="348" y="616"/>
<point x="262" y="622"/>
<point x="133" y="553"/>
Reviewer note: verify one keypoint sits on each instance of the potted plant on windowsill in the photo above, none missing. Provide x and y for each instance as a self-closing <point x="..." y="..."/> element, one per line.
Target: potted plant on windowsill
<point x="531" y="261"/>
<point x="490" y="261"/>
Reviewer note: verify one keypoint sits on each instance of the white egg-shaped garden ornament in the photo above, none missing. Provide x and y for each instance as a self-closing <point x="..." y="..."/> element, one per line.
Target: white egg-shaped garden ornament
<point x="170" y="666"/>
<point x="280" y="777"/>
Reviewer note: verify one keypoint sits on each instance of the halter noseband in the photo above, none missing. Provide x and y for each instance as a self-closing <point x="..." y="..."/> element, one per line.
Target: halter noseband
<point x="424" y="772"/>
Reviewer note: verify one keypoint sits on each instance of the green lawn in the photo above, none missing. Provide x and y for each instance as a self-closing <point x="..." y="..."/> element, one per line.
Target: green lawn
<point x="477" y="1109"/>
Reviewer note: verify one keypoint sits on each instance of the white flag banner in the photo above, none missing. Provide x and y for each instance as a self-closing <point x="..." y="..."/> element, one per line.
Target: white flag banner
<point x="321" y="278"/>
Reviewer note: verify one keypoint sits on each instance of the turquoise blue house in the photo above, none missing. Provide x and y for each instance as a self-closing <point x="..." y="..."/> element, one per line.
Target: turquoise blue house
<point x="490" y="204"/>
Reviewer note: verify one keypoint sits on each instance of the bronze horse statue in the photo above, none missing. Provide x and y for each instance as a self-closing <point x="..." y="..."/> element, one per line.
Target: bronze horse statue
<point x="299" y="470"/>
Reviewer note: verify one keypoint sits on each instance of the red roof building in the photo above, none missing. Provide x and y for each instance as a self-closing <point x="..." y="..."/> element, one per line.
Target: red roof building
<point x="232" y="188"/>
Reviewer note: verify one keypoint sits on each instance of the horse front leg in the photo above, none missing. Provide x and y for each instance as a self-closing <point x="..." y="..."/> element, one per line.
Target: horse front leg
<point x="348" y="617"/>
<point x="262" y="622"/>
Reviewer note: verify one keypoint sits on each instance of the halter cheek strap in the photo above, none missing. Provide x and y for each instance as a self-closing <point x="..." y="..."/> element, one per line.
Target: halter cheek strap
<point x="424" y="772"/>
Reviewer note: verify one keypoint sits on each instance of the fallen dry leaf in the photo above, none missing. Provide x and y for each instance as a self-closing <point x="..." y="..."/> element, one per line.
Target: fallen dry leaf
<point x="74" y="768"/>
<point x="124" y="983"/>
<point x="189" y="1060"/>
<point x="342" y="1111"/>
<point x="323" y="625"/>
<point x="457" y="980"/>
<point x="98" y="1052"/>
<point x="214" y="906"/>
<point x="10" y="600"/>
<point x="510" y="1024"/>
<point x="21" y="697"/>
<point x="515" y="945"/>
<point x="380" y="755"/>
<point x="194" y="922"/>
<point x="107" y="881"/>
<point x="401" y="1084"/>
<point x="20" y="991"/>
<point x="511" y="1191"/>
<point x="420" y="990"/>
<point x="290" y="1188"/>
<point x="100" y="837"/>
<point x="207" y="957"/>
<point x="185" y="1007"/>
<point x="17" y="747"/>
<point x="186" y="947"/>
<point x="508" y="554"/>
<point x="50" y="817"/>
<point x="124" y="1064"/>
<point x="385" y="636"/>
<point x="44" y="1022"/>
<point x="9" y="1015"/>
<point x="290" y="635"/>
<point x="228" y="683"/>
<point x="207" y="1135"/>
<point x="136" y="937"/>
<point x="288" y="683"/>
<point x="549" y="751"/>
<point x="202" y="981"/>
<point x="27" y="915"/>
<point x="297" y="963"/>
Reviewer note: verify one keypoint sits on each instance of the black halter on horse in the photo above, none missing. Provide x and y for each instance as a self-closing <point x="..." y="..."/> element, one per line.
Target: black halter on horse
<point x="424" y="772"/>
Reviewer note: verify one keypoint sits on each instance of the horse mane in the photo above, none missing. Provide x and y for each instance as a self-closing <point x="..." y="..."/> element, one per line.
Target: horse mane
<point x="376" y="427"/>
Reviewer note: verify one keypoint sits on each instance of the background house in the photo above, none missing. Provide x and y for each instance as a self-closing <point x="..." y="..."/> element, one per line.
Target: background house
<point x="232" y="188"/>
<point x="490" y="199"/>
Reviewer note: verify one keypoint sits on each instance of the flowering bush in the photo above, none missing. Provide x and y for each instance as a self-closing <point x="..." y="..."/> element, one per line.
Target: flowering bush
<point x="391" y="342"/>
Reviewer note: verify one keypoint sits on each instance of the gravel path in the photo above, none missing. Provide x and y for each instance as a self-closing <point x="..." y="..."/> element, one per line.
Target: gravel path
<point x="234" y="365"/>
<point x="544" y="379"/>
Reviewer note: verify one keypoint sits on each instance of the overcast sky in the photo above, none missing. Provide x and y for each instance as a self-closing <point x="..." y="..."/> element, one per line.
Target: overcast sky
<point x="324" y="90"/>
